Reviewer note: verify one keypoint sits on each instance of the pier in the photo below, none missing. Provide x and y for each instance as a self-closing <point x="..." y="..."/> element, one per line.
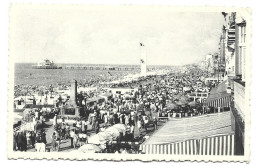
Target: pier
<point x="107" y="68"/>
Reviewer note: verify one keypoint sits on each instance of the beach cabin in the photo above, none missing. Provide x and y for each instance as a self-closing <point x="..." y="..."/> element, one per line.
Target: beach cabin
<point x="106" y="96"/>
<point x="95" y="100"/>
<point x="123" y="90"/>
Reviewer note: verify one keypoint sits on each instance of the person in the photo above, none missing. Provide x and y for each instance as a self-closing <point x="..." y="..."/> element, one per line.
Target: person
<point x="55" y="120"/>
<point x="36" y="115"/>
<point x="58" y="141"/>
<point x="86" y="126"/>
<point x="53" y="141"/>
<point x="38" y="143"/>
<point x="67" y="128"/>
<point x="24" y="140"/>
<point x="75" y="141"/>
<point x="83" y="126"/>
<point x="28" y="138"/>
<point x="63" y="130"/>
<point x="14" y="141"/>
<point x="145" y="119"/>
<point x="126" y="119"/>
<point x="105" y="118"/>
<point x="155" y="122"/>
<point x="139" y="124"/>
<point x="132" y="127"/>
<point x="44" y="137"/>
<point x="33" y="135"/>
<point x="97" y="126"/>
<point x="19" y="141"/>
<point x="72" y="133"/>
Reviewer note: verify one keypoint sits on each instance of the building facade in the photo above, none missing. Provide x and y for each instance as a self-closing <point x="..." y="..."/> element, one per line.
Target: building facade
<point x="234" y="47"/>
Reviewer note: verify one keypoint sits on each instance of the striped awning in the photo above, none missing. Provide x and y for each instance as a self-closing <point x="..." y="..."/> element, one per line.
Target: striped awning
<point x="216" y="145"/>
<point x="219" y="97"/>
<point x="197" y="127"/>
<point x="220" y="102"/>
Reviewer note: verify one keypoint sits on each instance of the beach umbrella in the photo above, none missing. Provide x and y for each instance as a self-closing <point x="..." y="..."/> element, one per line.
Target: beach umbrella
<point x="120" y="127"/>
<point x="114" y="132"/>
<point x="184" y="98"/>
<point x="171" y="106"/>
<point x="89" y="148"/>
<point x="193" y="104"/>
<point x="181" y="103"/>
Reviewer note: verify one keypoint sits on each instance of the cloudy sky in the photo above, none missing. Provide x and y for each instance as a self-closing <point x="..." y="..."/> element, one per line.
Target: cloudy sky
<point x="111" y="35"/>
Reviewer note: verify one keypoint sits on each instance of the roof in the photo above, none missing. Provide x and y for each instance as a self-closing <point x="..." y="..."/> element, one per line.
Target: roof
<point x="95" y="99"/>
<point x="178" y="130"/>
<point x="106" y="94"/>
<point x="218" y="92"/>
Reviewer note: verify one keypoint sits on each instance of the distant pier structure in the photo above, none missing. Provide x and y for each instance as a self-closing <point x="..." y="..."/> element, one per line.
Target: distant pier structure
<point x="108" y="68"/>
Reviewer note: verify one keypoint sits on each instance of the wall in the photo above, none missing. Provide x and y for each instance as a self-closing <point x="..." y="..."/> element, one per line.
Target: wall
<point x="239" y="98"/>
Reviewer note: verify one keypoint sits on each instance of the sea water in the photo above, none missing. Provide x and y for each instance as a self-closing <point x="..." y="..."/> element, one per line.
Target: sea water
<point x="26" y="75"/>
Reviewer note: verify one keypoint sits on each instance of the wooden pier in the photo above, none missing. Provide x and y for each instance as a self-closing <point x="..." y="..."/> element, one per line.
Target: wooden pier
<point x="107" y="68"/>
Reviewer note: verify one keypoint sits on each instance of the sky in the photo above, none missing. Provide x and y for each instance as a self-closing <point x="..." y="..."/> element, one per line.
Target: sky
<point x="112" y="35"/>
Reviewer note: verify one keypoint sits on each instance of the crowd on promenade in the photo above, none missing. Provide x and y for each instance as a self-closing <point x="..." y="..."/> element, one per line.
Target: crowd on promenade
<point x="154" y="96"/>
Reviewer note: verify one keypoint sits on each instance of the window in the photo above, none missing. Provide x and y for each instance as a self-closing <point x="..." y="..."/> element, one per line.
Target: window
<point x="244" y="64"/>
<point x="243" y="34"/>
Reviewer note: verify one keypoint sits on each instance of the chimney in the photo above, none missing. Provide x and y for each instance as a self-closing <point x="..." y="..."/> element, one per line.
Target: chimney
<point x="73" y="93"/>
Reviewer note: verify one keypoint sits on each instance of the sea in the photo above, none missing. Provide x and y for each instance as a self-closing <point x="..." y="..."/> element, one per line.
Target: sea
<point x="26" y="75"/>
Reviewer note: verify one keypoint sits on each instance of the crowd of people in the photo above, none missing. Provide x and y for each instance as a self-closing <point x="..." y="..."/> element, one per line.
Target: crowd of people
<point x="149" y="99"/>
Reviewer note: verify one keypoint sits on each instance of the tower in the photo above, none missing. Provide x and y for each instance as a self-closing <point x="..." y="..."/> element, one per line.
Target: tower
<point x="73" y="93"/>
<point x="143" y="60"/>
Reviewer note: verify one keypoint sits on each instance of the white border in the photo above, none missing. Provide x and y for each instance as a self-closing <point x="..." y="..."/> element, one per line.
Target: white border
<point x="252" y="4"/>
